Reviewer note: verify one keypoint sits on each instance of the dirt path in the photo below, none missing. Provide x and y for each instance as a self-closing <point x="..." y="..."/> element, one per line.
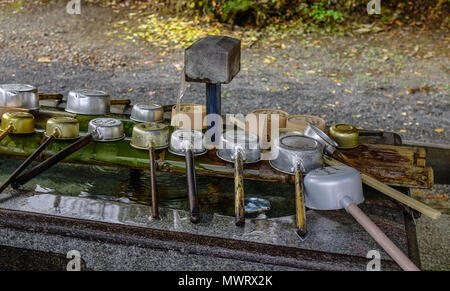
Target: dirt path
<point x="396" y="80"/>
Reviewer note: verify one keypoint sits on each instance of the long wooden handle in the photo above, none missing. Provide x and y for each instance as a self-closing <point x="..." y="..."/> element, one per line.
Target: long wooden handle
<point x="239" y="203"/>
<point x="300" y="218"/>
<point x="391" y="192"/>
<point x="120" y="102"/>
<point x="28" y="161"/>
<point x="155" y="202"/>
<point x="378" y="235"/>
<point x="192" y="187"/>
<point x="4" y="109"/>
<point x="48" y="163"/>
<point x="45" y="96"/>
<point x="6" y="132"/>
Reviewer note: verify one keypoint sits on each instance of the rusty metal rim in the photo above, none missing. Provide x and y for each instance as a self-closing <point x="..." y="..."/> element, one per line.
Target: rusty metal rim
<point x="183" y="242"/>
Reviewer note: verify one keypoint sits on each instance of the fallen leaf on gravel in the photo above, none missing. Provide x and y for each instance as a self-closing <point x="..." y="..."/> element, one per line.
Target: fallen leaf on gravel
<point x="439" y="130"/>
<point x="363" y="30"/>
<point x="389" y="95"/>
<point x="420" y="102"/>
<point x="419" y="89"/>
<point x="148" y="62"/>
<point x="151" y="93"/>
<point x="403" y="130"/>
<point x="357" y="116"/>
<point x="428" y="55"/>
<point x="179" y="66"/>
<point x="310" y="72"/>
<point x="348" y="91"/>
<point x="44" y="60"/>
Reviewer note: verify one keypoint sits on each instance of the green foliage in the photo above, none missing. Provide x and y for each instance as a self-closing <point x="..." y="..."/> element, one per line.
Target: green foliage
<point x="319" y="14"/>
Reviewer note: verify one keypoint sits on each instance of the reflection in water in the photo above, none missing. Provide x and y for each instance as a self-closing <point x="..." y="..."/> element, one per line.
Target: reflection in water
<point x="216" y="195"/>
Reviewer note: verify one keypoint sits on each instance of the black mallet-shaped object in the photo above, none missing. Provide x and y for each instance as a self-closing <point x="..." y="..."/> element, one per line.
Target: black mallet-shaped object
<point x="213" y="60"/>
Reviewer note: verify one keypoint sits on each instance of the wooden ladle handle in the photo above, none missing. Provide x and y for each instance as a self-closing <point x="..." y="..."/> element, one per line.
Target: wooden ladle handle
<point x="48" y="163"/>
<point x="28" y="161"/>
<point x="300" y="217"/>
<point x="4" y="109"/>
<point x="6" y="132"/>
<point x="378" y="235"/>
<point x="239" y="203"/>
<point x="46" y="96"/>
<point x="155" y="202"/>
<point x="120" y="102"/>
<point x="192" y="187"/>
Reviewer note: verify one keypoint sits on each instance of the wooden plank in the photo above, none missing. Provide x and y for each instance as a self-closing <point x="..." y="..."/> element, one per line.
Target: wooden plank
<point x="385" y="155"/>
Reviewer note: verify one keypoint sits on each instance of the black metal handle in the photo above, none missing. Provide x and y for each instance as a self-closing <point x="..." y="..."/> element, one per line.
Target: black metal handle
<point x="239" y="203"/>
<point x="155" y="207"/>
<point x="48" y="163"/>
<point x="28" y="161"/>
<point x="192" y="187"/>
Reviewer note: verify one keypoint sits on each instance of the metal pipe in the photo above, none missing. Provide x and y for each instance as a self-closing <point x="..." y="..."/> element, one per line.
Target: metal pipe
<point x="213" y="104"/>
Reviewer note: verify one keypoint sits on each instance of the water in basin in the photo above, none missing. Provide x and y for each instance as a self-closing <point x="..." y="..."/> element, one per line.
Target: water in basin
<point x="216" y="195"/>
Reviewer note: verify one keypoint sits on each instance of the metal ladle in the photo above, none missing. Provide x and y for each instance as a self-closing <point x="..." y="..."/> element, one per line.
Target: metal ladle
<point x="99" y="129"/>
<point x="295" y="155"/>
<point x="16" y="123"/>
<point x="23" y="96"/>
<point x="151" y="136"/>
<point x="239" y="147"/>
<point x="337" y="158"/>
<point x="333" y="188"/>
<point x="63" y="128"/>
<point x="189" y="143"/>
